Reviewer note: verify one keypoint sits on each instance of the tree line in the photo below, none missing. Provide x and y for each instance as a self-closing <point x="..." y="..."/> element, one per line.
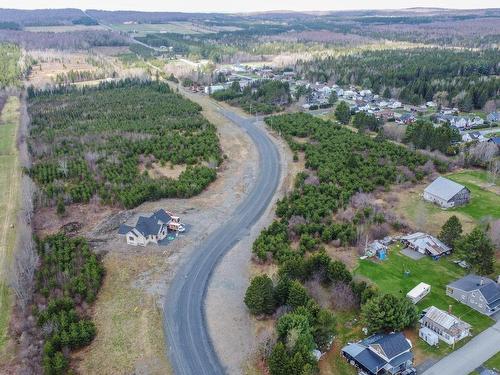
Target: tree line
<point x="466" y="79"/>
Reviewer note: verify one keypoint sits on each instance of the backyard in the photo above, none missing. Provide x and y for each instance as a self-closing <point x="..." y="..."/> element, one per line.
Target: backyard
<point x="399" y="274"/>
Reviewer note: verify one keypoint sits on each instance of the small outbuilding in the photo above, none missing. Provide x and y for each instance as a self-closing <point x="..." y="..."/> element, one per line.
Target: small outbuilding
<point x="446" y="193"/>
<point x="419" y="292"/>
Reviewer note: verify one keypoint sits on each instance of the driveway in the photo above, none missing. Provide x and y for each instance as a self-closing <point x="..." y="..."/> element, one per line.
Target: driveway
<point x="466" y="359"/>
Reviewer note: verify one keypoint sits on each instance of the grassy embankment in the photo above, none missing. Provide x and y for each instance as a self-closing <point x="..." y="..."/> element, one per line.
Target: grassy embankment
<point x="9" y="192"/>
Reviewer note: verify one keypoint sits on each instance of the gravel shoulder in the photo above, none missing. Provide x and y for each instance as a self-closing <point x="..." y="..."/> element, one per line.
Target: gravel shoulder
<point x="232" y="329"/>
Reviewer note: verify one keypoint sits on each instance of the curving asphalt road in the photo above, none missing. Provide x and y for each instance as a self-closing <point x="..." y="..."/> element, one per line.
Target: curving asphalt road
<point x="190" y="349"/>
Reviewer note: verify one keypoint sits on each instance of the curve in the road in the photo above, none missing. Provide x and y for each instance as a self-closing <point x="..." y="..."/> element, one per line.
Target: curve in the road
<point x="190" y="349"/>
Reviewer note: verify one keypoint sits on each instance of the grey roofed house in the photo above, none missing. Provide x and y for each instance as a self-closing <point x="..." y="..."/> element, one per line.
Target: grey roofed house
<point x="478" y="292"/>
<point x="147" y="229"/>
<point x="446" y="193"/>
<point x="381" y="354"/>
<point x="495" y="140"/>
<point x="448" y="327"/>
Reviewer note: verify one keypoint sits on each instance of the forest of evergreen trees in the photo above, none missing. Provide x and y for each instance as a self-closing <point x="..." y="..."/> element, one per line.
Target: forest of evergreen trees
<point x="466" y="79"/>
<point x="89" y="141"/>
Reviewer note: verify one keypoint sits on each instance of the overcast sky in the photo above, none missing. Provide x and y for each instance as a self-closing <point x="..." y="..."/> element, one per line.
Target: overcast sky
<point x="242" y="5"/>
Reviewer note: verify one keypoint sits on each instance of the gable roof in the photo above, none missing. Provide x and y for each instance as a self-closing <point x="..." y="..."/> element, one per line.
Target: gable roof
<point x="444" y="319"/>
<point x="392" y="344"/>
<point x="427" y="242"/>
<point x="489" y="289"/>
<point x="443" y="188"/>
<point x="124" y="229"/>
<point x="147" y="226"/>
<point x="371" y="351"/>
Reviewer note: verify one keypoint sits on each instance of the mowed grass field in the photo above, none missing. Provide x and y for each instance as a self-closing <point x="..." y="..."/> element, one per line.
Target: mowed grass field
<point x="484" y="203"/>
<point x="485" y="194"/>
<point x="9" y="193"/>
<point x="389" y="276"/>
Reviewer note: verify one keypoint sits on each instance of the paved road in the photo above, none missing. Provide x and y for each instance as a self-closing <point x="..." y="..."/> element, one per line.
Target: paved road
<point x="189" y="346"/>
<point x="469" y="357"/>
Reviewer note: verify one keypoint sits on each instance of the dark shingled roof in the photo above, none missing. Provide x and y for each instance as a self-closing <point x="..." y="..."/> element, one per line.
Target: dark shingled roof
<point x="148" y="225"/>
<point x="124" y="229"/>
<point x="392" y="344"/>
<point x="490" y="289"/>
<point x="370" y="360"/>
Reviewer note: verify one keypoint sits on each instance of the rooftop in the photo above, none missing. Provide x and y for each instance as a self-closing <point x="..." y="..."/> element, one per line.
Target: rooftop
<point x="443" y="188"/>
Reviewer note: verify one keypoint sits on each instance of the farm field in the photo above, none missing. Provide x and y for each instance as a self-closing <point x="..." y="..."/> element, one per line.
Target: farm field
<point x="171" y="27"/>
<point x="63" y="28"/>
<point x="484" y="203"/>
<point x="389" y="277"/>
<point x="9" y="191"/>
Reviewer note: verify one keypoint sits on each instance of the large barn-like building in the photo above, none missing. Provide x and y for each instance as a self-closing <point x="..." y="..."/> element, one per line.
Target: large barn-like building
<point x="446" y="193"/>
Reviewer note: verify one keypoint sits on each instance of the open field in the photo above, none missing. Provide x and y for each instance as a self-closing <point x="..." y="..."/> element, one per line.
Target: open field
<point x="52" y="64"/>
<point x="388" y="276"/>
<point x="9" y="191"/>
<point x="128" y="320"/>
<point x="63" y="28"/>
<point x="485" y="200"/>
<point x="141" y="29"/>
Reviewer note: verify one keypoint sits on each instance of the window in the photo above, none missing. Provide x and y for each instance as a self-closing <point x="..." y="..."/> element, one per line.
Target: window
<point x="130" y="238"/>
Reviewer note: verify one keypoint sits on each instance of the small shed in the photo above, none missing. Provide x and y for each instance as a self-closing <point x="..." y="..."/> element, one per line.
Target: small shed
<point x="419" y="292"/>
<point x="430" y="337"/>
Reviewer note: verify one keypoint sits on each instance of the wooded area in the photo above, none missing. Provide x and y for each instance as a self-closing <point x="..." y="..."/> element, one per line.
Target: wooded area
<point x="90" y="141"/>
<point x="466" y="79"/>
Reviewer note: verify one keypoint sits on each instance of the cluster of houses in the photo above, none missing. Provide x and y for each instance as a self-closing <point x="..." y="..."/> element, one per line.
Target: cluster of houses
<point x="392" y="353"/>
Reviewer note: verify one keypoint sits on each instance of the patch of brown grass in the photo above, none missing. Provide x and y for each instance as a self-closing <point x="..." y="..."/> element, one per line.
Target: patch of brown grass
<point x="129" y="323"/>
<point x="156" y="170"/>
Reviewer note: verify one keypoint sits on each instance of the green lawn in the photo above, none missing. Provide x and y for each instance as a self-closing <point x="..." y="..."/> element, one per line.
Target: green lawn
<point x="388" y="276"/>
<point x="9" y="176"/>
<point x="484" y="201"/>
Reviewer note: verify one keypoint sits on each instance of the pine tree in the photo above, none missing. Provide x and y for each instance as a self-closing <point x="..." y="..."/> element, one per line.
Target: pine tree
<point x="259" y="296"/>
<point x="478" y="251"/>
<point x="343" y="113"/>
<point x="451" y="231"/>
<point x="297" y="295"/>
<point x="389" y="313"/>
<point x="278" y="361"/>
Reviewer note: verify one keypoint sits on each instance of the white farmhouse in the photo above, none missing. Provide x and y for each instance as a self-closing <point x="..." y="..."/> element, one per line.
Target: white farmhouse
<point x="445" y="326"/>
<point x="446" y="193"/>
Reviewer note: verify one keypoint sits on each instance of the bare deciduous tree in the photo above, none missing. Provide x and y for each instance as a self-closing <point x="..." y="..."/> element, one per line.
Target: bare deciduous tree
<point x="24" y="265"/>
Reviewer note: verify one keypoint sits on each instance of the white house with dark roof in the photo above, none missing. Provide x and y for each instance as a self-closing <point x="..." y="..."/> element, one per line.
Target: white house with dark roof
<point x="445" y="326"/>
<point x="446" y="193"/>
<point x="478" y="292"/>
<point x="152" y="229"/>
<point x="381" y="354"/>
